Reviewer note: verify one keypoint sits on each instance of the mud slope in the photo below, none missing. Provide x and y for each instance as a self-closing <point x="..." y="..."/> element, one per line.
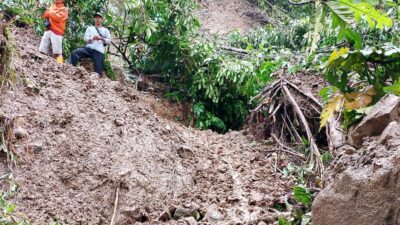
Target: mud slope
<point x="223" y="16"/>
<point x="86" y="137"/>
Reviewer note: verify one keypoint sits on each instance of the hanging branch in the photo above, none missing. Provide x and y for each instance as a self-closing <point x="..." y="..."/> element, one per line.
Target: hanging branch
<point x="300" y="3"/>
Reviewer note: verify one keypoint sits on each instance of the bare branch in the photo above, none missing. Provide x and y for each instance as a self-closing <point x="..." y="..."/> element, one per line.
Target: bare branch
<point x="300" y="3"/>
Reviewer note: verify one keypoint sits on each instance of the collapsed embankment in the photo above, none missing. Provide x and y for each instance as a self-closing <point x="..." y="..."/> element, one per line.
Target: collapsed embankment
<point x="79" y="140"/>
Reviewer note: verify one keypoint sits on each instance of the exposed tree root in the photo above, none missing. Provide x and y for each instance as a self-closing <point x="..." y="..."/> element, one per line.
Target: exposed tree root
<point x="115" y="205"/>
<point x="291" y="117"/>
<point x="7" y="140"/>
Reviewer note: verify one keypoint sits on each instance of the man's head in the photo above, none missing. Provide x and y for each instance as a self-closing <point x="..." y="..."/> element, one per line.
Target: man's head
<point x="98" y="19"/>
<point x="59" y="1"/>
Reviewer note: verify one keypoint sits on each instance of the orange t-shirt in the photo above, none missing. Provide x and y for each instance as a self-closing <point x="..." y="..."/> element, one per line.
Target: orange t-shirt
<point x="57" y="14"/>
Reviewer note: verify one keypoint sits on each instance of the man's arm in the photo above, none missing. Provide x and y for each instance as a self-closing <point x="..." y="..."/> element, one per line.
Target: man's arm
<point x="46" y="14"/>
<point x="107" y="38"/>
<point x="88" y="37"/>
<point x="58" y="17"/>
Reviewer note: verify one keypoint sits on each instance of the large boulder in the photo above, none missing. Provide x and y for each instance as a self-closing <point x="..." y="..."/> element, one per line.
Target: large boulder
<point x="364" y="186"/>
<point x="384" y="112"/>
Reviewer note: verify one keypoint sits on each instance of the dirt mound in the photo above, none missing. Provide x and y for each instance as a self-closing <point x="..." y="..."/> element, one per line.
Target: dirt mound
<point x="223" y="16"/>
<point x="364" y="184"/>
<point x="80" y="139"/>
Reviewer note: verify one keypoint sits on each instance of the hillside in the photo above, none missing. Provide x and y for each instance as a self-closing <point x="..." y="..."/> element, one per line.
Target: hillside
<point x="80" y="139"/>
<point x="224" y="16"/>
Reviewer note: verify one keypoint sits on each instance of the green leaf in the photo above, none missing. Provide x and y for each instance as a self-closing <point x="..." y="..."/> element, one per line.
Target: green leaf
<point x="303" y="195"/>
<point x="394" y="89"/>
<point x="282" y="221"/>
<point x="350" y="12"/>
<point x="326" y="158"/>
<point x="327" y="92"/>
<point x="351" y="36"/>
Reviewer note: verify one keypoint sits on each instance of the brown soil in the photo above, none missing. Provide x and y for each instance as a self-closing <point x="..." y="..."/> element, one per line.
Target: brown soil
<point x="85" y="137"/>
<point x="223" y="16"/>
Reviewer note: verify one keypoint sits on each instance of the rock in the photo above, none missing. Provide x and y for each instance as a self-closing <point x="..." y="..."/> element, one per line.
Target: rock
<point x="119" y="122"/>
<point x="185" y="152"/>
<point x="255" y="216"/>
<point x="135" y="214"/>
<point x="366" y="189"/>
<point x="20" y="133"/>
<point x="165" y="216"/>
<point x="213" y="214"/>
<point x="255" y="197"/>
<point x="182" y="212"/>
<point x="19" y="128"/>
<point x="102" y="110"/>
<point x="190" y="220"/>
<point x="347" y="149"/>
<point x="384" y="112"/>
<point x="19" y="150"/>
<point x="36" y="147"/>
<point x="391" y="132"/>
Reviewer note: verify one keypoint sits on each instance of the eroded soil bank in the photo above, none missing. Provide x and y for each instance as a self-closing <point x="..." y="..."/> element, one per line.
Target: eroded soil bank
<point x="79" y="139"/>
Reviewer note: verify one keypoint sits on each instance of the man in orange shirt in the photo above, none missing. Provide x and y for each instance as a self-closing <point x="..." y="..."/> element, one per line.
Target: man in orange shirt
<point x="57" y="14"/>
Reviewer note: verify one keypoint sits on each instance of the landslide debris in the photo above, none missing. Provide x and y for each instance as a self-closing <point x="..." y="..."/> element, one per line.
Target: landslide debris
<point x="224" y="16"/>
<point x="84" y="139"/>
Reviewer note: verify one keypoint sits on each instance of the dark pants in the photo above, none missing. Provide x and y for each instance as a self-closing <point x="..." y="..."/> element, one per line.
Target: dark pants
<point x="84" y="53"/>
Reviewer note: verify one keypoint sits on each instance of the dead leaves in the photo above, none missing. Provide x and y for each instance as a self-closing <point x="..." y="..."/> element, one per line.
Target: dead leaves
<point x="333" y="106"/>
<point x="359" y="100"/>
<point x="350" y="101"/>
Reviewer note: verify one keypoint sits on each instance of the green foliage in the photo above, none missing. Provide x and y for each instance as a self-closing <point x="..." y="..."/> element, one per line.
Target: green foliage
<point x="282" y="221"/>
<point x="22" y="10"/>
<point x="303" y="195"/>
<point x="207" y="120"/>
<point x="393" y="89"/>
<point x="326" y="158"/>
<point x="351" y="11"/>
<point x="371" y="65"/>
<point x="327" y="93"/>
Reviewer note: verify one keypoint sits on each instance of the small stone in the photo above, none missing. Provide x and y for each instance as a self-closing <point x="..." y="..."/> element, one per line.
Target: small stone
<point x="182" y="212"/>
<point x="168" y="127"/>
<point x="255" y="197"/>
<point x="20" y="133"/>
<point x="119" y="122"/>
<point x="19" y="150"/>
<point x="347" y="149"/>
<point x="222" y="169"/>
<point x="165" y="216"/>
<point x="185" y="152"/>
<point x="36" y="148"/>
<point x="190" y="221"/>
<point x="213" y="214"/>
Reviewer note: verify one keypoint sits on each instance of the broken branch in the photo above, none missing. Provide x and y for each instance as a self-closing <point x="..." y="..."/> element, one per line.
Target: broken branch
<point x="313" y="146"/>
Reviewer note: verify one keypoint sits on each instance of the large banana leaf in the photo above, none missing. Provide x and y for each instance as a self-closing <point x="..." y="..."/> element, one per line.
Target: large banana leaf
<point x="351" y="11"/>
